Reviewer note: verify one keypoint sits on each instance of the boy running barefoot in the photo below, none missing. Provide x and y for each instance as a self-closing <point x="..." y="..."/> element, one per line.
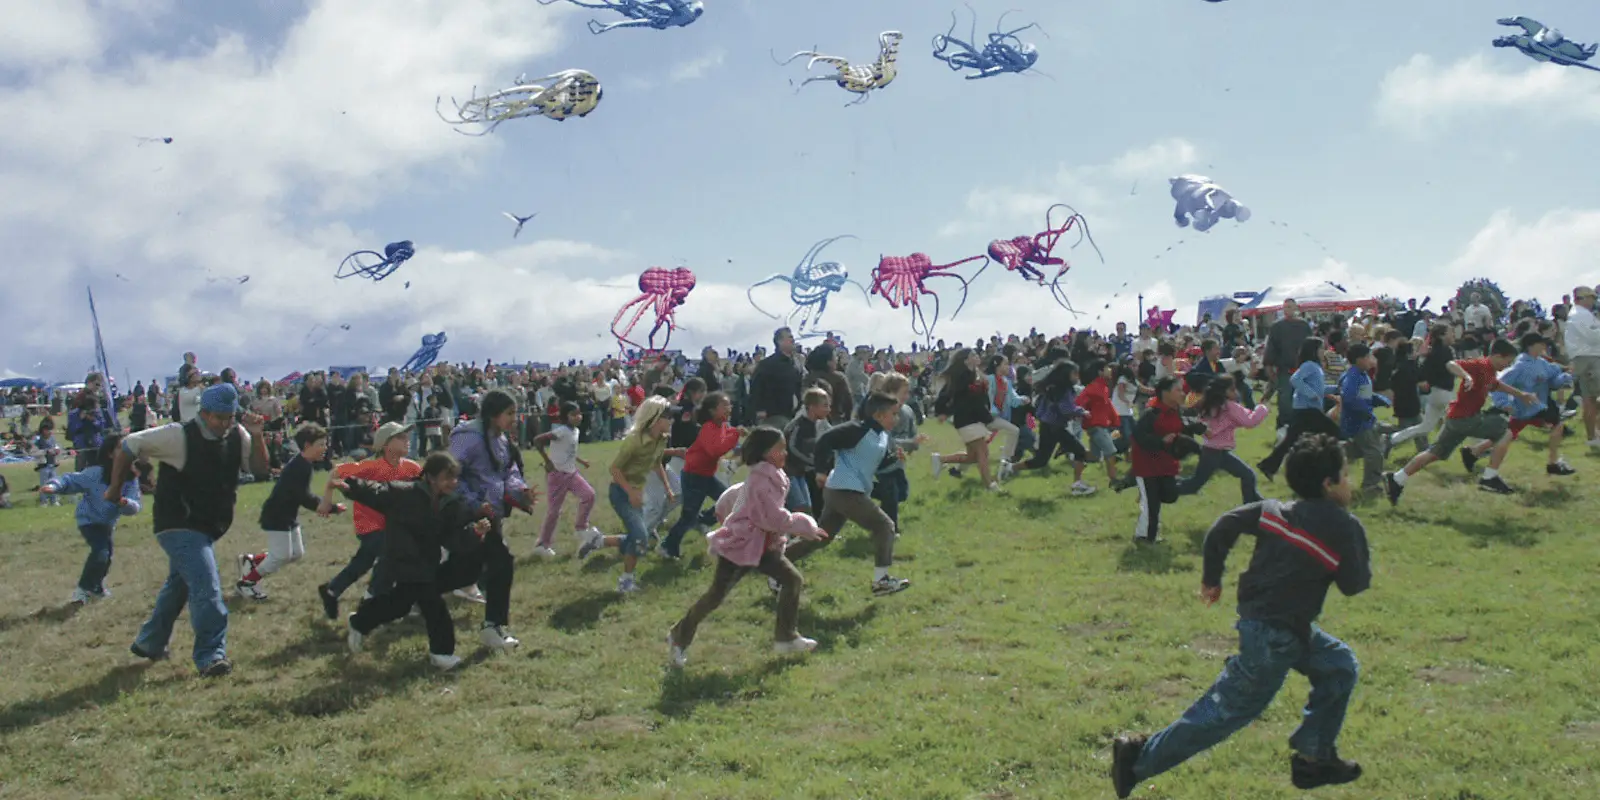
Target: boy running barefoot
<point x="1301" y="549"/>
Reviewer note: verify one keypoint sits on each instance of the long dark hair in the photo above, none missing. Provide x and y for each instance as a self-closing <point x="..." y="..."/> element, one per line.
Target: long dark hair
<point x="1311" y="349"/>
<point x="1063" y="376"/>
<point x="708" y="407"/>
<point x="1216" y="396"/>
<point x="758" y="443"/>
<point x="495" y="402"/>
<point x="957" y="373"/>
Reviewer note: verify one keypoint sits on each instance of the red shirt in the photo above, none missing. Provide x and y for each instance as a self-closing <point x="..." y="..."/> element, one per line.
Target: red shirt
<point x="1158" y="463"/>
<point x="714" y="441"/>
<point x="367" y="518"/>
<point x="636" y="395"/>
<point x="1469" y="402"/>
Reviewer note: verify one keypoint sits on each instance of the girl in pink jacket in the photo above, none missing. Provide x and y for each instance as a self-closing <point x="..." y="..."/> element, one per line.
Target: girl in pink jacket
<point x="1222" y="415"/>
<point x="755" y="527"/>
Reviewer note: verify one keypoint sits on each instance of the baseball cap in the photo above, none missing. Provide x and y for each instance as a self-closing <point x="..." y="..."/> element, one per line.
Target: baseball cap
<point x="221" y="398"/>
<point x="389" y="430"/>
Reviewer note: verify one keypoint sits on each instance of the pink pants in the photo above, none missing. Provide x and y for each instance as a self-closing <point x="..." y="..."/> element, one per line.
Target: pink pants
<point x="556" y="485"/>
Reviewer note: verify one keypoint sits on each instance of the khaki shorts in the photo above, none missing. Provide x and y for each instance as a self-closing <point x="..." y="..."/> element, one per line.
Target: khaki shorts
<point x="1586" y="371"/>
<point x="1482" y="426"/>
<point x="972" y="433"/>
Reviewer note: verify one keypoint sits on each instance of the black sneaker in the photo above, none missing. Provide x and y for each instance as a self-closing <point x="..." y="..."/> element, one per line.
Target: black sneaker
<point x="1392" y="488"/>
<point x="1309" y="773"/>
<point x="140" y="652"/>
<point x="330" y="601"/>
<point x="1495" y="485"/>
<point x="217" y="669"/>
<point x="1269" y="474"/>
<point x="1124" y="754"/>
<point x="1469" y="460"/>
<point x="1560" y="468"/>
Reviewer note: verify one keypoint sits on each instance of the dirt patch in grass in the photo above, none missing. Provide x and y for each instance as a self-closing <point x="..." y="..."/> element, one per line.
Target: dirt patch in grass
<point x="1583" y="731"/>
<point x="615" y="725"/>
<point x="1096" y="628"/>
<point x="1213" y="645"/>
<point x="1452" y="676"/>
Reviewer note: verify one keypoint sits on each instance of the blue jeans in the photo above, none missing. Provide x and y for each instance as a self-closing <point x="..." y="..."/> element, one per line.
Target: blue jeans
<point x="634" y="535"/>
<point x="191" y="579"/>
<point x="1248" y="683"/>
<point x="1212" y="460"/>
<point x="697" y="489"/>
<point x="367" y="552"/>
<point x="95" y="567"/>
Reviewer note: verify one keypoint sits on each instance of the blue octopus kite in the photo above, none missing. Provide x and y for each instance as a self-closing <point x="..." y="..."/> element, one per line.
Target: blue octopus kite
<point x="809" y="288"/>
<point x="1004" y="53"/>
<point x="658" y="14"/>
<point x="1543" y="43"/>
<point x="368" y="264"/>
<point x="426" y="354"/>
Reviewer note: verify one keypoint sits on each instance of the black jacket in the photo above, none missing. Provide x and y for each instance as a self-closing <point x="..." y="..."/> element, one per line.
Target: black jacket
<point x="1302" y="548"/>
<point x="775" y="386"/>
<point x="291" y="493"/>
<point x="417" y="526"/>
<point x="802" y="437"/>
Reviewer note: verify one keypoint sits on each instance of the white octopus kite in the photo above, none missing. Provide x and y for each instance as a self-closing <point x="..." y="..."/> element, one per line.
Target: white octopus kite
<point x="568" y="93"/>
<point x="860" y="78"/>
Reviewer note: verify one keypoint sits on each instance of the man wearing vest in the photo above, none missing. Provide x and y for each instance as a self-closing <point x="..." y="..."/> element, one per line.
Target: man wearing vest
<point x="195" y="492"/>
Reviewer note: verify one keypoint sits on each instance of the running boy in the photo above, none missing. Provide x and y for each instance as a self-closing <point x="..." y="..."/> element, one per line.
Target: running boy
<point x="1302" y="548"/>
<point x="392" y="442"/>
<point x="280" y="513"/>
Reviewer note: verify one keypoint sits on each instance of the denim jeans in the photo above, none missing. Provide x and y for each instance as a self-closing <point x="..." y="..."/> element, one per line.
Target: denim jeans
<point x="1212" y="460"/>
<point x="635" y="537"/>
<point x="192" y="579"/>
<point x="1248" y="683"/>
<point x="95" y="567"/>
<point x="697" y="489"/>
<point x="367" y="552"/>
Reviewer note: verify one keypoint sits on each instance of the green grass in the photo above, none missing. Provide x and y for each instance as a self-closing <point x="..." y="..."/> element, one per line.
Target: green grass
<point x="1033" y="633"/>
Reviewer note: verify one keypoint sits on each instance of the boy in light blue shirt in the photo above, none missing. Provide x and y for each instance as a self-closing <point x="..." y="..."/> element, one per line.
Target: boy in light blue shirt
<point x="96" y="516"/>
<point x="859" y="449"/>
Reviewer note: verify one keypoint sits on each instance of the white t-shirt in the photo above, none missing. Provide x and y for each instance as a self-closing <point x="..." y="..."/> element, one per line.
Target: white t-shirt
<point x="1122" y="397"/>
<point x="1141" y="345"/>
<point x="1478" y="317"/>
<point x="167" y="445"/>
<point x="601" y="391"/>
<point x="564" y="448"/>
<point x="189" y="402"/>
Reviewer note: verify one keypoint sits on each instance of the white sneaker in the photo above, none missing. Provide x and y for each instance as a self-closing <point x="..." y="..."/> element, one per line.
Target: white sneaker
<point x="250" y="591"/>
<point x="772" y="583"/>
<point x="1007" y="470"/>
<point x="797" y="645"/>
<point x="496" y="637"/>
<point x="544" y="552"/>
<point x="1282" y="432"/>
<point x="937" y="465"/>
<point x="103" y="594"/>
<point x="592" y="541"/>
<point x="626" y="584"/>
<point x="246" y="565"/>
<point x="676" y="655"/>
<point x="470" y="594"/>
<point x="444" y="663"/>
<point x="1081" y="489"/>
<point x="79" y="597"/>
<point x="355" y="637"/>
<point x="994" y="486"/>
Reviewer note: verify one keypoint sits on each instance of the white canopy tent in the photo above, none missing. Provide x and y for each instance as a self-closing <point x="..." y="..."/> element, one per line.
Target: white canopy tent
<point x="1313" y="298"/>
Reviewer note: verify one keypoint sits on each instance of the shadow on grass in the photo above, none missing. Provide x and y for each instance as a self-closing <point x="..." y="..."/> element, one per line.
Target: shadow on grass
<point x="683" y="691"/>
<point x="361" y="684"/>
<point x="315" y="643"/>
<point x="1158" y="559"/>
<point x="107" y="689"/>
<point x="60" y="613"/>
<point x="583" y="613"/>
<point x="1037" y="507"/>
<point x="1557" y="495"/>
<point x="1486" y="532"/>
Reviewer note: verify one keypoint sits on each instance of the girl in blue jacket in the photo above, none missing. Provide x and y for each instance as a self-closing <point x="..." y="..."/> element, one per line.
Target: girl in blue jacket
<point x="96" y="517"/>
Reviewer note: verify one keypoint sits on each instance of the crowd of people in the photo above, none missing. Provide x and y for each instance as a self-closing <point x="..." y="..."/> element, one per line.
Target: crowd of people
<point x="432" y="464"/>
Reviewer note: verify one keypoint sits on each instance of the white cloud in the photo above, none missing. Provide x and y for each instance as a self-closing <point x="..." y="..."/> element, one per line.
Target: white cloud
<point x="1420" y="94"/>
<point x="1094" y="186"/>
<point x="697" y="68"/>
<point x="41" y="34"/>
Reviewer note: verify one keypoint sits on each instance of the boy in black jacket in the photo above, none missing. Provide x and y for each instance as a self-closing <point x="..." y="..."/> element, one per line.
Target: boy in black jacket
<point x="802" y="434"/>
<point x="425" y="517"/>
<point x="1301" y="549"/>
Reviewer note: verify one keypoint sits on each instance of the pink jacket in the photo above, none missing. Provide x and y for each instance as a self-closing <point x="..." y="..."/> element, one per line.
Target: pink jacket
<point x="1220" y="428"/>
<point x="753" y="517"/>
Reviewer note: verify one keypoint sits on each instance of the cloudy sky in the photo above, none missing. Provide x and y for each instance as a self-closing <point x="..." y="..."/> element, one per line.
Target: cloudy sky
<point x="1394" y="153"/>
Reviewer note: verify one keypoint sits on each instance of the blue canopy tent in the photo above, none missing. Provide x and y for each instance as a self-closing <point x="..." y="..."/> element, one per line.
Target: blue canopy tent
<point x="1216" y="305"/>
<point x="22" y="383"/>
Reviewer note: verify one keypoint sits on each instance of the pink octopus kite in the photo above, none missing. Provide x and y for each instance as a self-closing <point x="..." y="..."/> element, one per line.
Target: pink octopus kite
<point x="902" y="281"/>
<point x="1027" y="254"/>
<point x="1160" y="320"/>
<point x="661" y="290"/>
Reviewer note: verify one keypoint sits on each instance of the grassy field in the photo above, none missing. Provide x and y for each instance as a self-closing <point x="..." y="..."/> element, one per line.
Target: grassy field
<point x="1034" y="632"/>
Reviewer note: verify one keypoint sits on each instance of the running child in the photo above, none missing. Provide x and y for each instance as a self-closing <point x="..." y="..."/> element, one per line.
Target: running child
<point x="559" y="447"/>
<point x="802" y="436"/>
<point x="1538" y="377"/>
<point x="1101" y="419"/>
<point x="1301" y="549"/>
<point x="49" y="453"/>
<point x="1158" y="442"/>
<point x="392" y="442"/>
<point x="1222" y="414"/>
<point x="1056" y="406"/>
<point x="639" y="456"/>
<point x="754" y="529"/>
<point x="966" y="398"/>
<point x="891" y="488"/>
<point x="280" y="514"/>
<point x="699" y="479"/>
<point x="97" y="517"/>
<point x="423" y="518"/>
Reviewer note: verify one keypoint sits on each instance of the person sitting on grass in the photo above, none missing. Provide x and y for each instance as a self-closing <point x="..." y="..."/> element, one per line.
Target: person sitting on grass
<point x="1301" y="549"/>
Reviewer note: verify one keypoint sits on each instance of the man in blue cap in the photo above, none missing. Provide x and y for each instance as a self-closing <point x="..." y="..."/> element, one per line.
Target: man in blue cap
<point x="195" y="493"/>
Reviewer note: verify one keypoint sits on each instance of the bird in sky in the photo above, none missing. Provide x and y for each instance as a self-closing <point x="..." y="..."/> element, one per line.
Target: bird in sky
<point x="521" y="221"/>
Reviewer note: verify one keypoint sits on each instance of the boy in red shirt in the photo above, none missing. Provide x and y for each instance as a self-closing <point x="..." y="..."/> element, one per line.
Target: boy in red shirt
<point x="1466" y="419"/>
<point x="716" y="439"/>
<point x="1158" y="442"/>
<point x="392" y="441"/>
